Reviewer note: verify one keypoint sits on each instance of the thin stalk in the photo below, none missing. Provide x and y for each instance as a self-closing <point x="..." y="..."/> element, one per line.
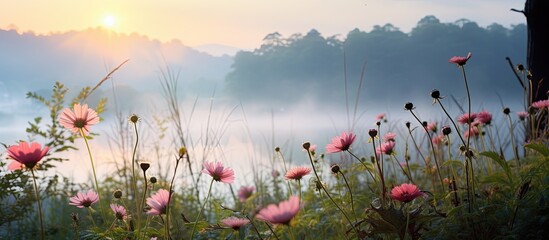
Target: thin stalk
<point x="513" y="140"/>
<point x="202" y="209"/>
<point x="383" y="188"/>
<point x="432" y="149"/>
<point x="134" y="180"/>
<point x="285" y="171"/>
<point x="37" y="192"/>
<point x="270" y="228"/>
<point x="140" y="207"/>
<point x="350" y="193"/>
<point x="170" y="198"/>
<point x="467" y="155"/>
<point x="93" y="170"/>
<point x="363" y="164"/>
<point x="328" y="194"/>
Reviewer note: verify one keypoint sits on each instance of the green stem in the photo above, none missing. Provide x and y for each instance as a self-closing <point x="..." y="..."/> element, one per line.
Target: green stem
<point x="350" y="193"/>
<point x="42" y="233"/>
<point x="93" y="170"/>
<point x="134" y="181"/>
<point x="407" y="221"/>
<point x="363" y="164"/>
<point x="328" y="194"/>
<point x="202" y="209"/>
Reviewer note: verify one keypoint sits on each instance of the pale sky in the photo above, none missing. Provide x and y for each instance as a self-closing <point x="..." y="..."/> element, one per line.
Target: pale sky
<point x="244" y="23"/>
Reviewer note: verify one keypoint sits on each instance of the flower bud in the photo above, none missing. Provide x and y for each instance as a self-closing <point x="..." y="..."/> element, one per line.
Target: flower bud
<point x="506" y="111"/>
<point x="435" y="94"/>
<point x="277" y="149"/>
<point x="335" y="168"/>
<point x="152" y="180"/>
<point x="372" y="133"/>
<point x="182" y="151"/>
<point x="409" y="106"/>
<point x="446" y="130"/>
<point x="117" y="194"/>
<point x="144" y="166"/>
<point x="306" y="145"/>
<point x="134" y="118"/>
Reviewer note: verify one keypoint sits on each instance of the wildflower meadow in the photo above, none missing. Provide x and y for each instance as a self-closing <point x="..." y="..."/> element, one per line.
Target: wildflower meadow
<point x="467" y="176"/>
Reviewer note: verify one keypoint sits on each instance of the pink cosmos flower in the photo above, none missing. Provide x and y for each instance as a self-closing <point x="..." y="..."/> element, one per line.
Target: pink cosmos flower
<point x="296" y="173"/>
<point x="380" y="116"/>
<point x="218" y="172"/>
<point x="82" y="118"/>
<point x="389" y="137"/>
<point x="82" y="200"/>
<point x="119" y="211"/>
<point x="234" y="222"/>
<point x="406" y="192"/>
<point x="341" y="143"/>
<point x="522" y="115"/>
<point x="432" y="126"/>
<point x="484" y="117"/>
<point x="245" y="192"/>
<point x="281" y="214"/>
<point x="466" y="119"/>
<point x="386" y="148"/>
<point x="541" y="104"/>
<point x="473" y="132"/>
<point x="460" y="61"/>
<point x="158" y="202"/>
<point x="312" y="149"/>
<point x="438" y="139"/>
<point x="25" y="154"/>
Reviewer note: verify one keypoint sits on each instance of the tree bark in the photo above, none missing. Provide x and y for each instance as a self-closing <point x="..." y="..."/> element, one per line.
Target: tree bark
<point x="537" y="19"/>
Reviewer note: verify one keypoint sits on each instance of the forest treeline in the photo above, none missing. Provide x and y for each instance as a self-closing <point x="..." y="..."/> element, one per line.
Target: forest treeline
<point x="397" y="65"/>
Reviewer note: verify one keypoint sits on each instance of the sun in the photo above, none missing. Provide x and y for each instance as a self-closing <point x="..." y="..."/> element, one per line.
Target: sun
<point x="109" y="21"/>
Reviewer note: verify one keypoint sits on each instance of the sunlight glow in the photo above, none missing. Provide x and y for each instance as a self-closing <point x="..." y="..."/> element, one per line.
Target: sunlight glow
<point x="109" y="21"/>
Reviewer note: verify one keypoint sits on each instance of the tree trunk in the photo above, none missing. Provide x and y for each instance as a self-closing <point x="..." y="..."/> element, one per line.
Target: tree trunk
<point x="537" y="19"/>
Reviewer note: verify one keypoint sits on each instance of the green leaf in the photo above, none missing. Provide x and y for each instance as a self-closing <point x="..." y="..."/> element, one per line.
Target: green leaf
<point x="538" y="147"/>
<point x="494" y="156"/>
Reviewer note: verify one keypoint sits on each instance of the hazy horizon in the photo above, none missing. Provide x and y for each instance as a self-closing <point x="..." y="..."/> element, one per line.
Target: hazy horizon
<point x="242" y="24"/>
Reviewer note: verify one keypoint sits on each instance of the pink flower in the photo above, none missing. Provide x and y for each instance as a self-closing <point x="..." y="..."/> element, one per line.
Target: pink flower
<point x="473" y="132"/>
<point x="26" y="155"/>
<point x="296" y="173"/>
<point x="158" y="202"/>
<point x="432" y="126"/>
<point x="406" y="192"/>
<point x="380" y="116"/>
<point x="467" y="118"/>
<point x="218" y="172"/>
<point x="389" y="137"/>
<point x="245" y="192"/>
<point x="82" y="118"/>
<point x="234" y="222"/>
<point x="281" y="214"/>
<point x="438" y="139"/>
<point x="119" y="211"/>
<point x="341" y="143"/>
<point x="484" y="117"/>
<point x="82" y="200"/>
<point x="386" y="148"/>
<point x="522" y="115"/>
<point x="541" y="104"/>
<point x="460" y="61"/>
<point x="312" y="149"/>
